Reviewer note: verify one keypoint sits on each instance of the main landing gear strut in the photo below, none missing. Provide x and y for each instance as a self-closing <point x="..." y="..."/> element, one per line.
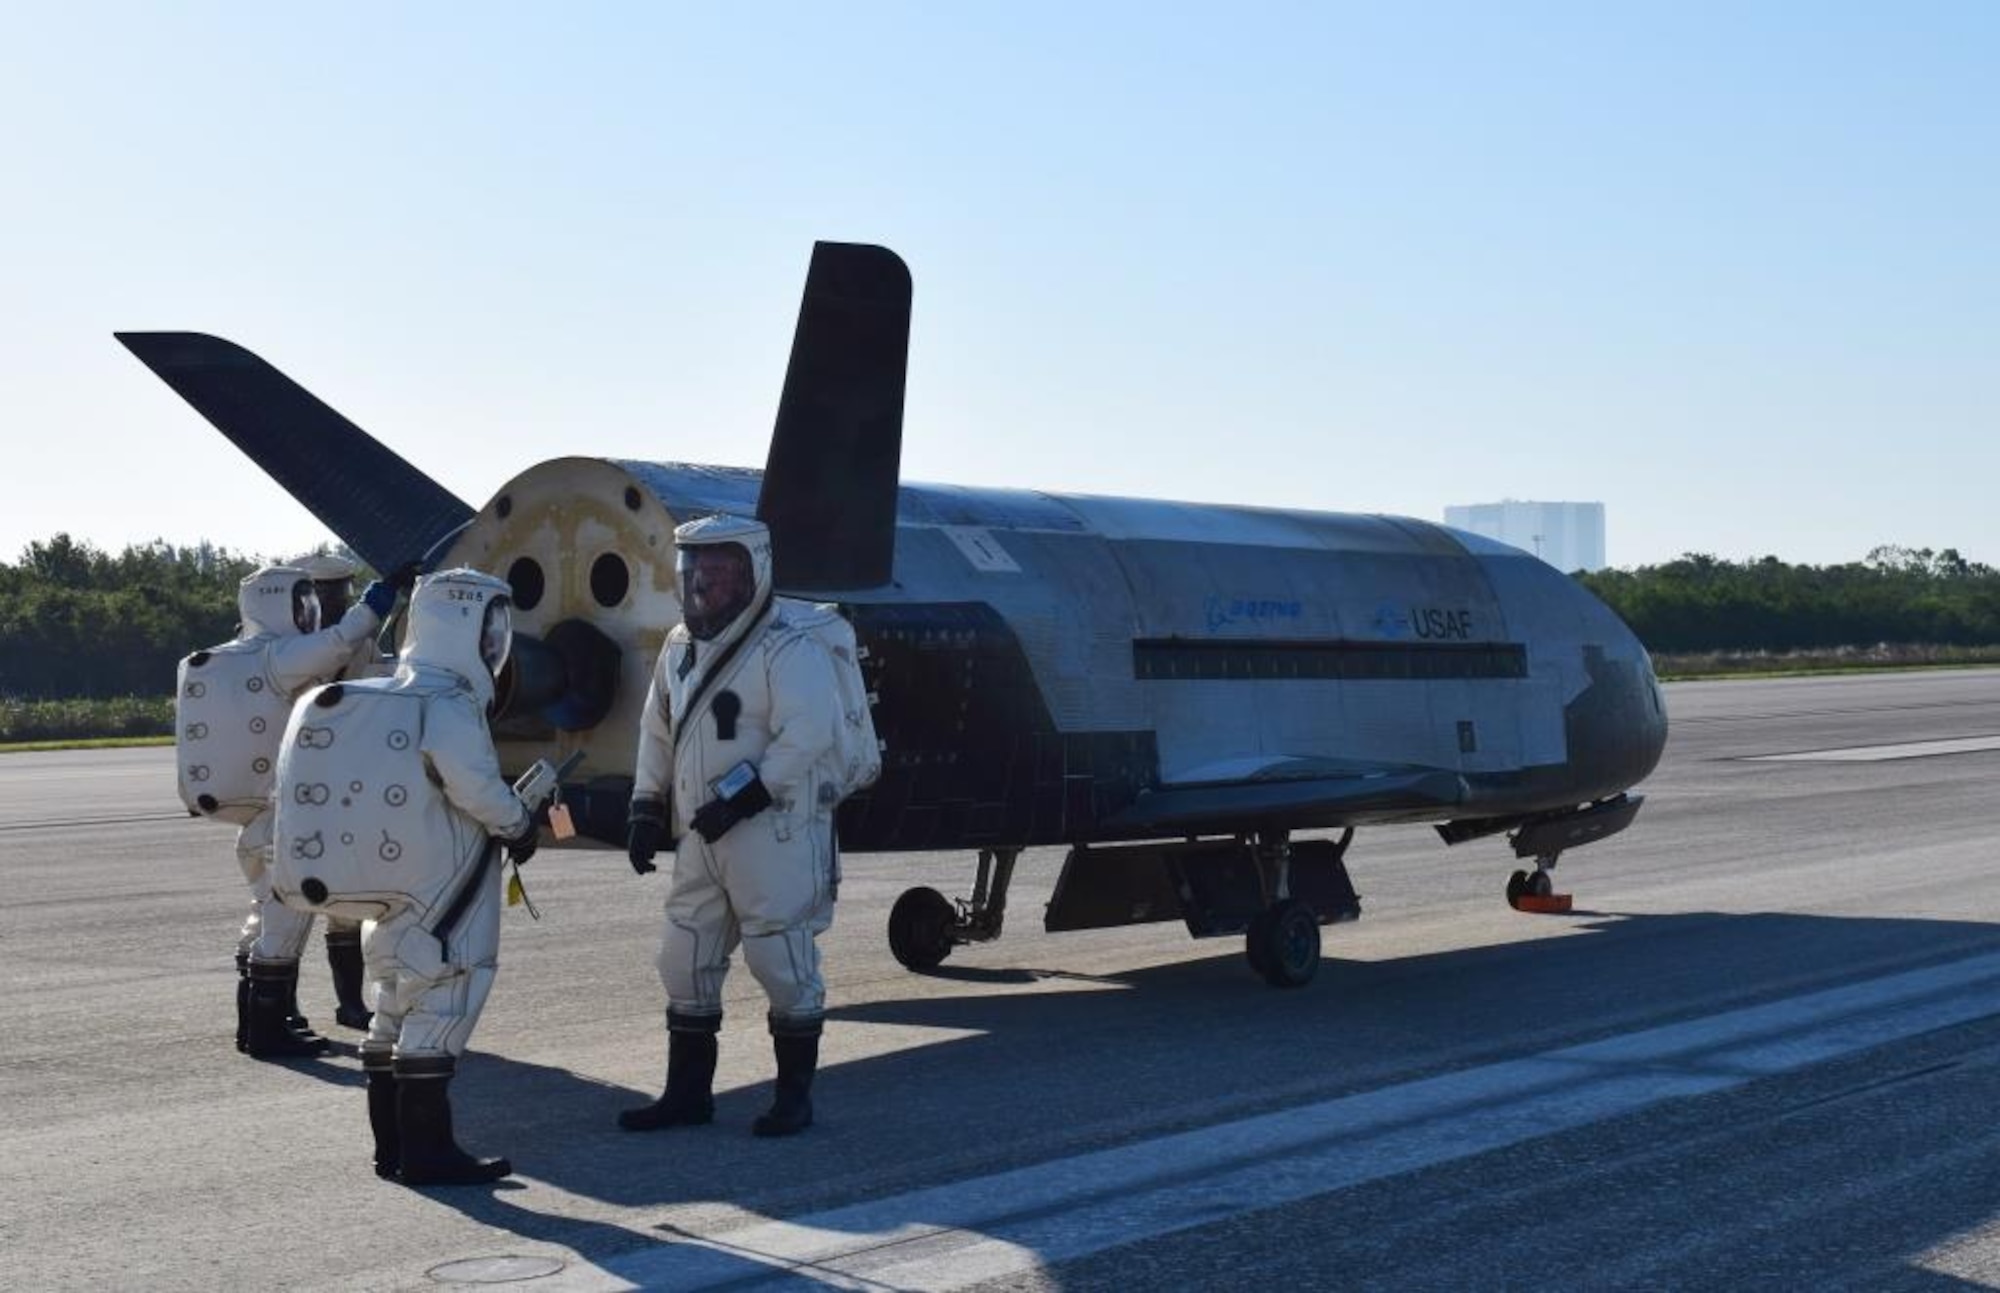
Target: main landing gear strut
<point x="924" y="925"/>
<point x="1262" y="885"/>
<point x="1282" y="943"/>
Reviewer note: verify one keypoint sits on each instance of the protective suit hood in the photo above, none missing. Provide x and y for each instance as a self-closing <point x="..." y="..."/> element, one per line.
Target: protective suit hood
<point x="450" y="614"/>
<point x="320" y="567"/>
<point x="267" y="599"/>
<point x="333" y="575"/>
<point x="753" y="537"/>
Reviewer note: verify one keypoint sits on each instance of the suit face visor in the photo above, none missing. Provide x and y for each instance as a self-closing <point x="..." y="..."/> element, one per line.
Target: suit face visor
<point x="305" y="607"/>
<point x="335" y="596"/>
<point x="717" y="585"/>
<point x="496" y="635"/>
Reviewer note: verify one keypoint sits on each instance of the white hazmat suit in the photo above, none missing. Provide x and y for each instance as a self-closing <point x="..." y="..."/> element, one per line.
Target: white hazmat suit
<point x="333" y="579"/>
<point x="390" y="798"/>
<point x="231" y="703"/>
<point x="739" y="724"/>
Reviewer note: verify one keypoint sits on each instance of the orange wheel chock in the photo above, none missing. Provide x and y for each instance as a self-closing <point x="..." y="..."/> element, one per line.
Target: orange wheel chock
<point x="1553" y="905"/>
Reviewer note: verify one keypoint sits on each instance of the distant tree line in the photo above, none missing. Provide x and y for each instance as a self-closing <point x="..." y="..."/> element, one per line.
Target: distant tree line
<point x="1895" y="595"/>
<point x="76" y="621"/>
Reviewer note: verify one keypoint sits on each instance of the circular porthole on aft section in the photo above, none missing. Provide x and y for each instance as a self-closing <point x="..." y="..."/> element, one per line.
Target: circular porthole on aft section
<point x="609" y="579"/>
<point x="525" y="578"/>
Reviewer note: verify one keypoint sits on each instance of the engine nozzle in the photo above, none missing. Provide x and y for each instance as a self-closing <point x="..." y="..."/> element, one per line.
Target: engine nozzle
<point x="566" y="680"/>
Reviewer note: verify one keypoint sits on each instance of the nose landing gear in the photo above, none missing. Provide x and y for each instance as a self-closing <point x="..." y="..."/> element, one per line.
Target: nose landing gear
<point x="1535" y="891"/>
<point x="1545" y="838"/>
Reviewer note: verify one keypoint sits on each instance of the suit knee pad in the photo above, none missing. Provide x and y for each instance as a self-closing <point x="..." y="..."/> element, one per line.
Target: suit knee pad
<point x="786" y="963"/>
<point x="693" y="964"/>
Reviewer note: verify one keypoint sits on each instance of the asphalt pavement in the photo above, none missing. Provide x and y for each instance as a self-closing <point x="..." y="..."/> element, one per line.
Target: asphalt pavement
<point x="1761" y="1051"/>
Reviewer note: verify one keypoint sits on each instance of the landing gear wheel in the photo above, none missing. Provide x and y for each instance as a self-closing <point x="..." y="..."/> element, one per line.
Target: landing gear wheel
<point x="1528" y="884"/>
<point x="1283" y="944"/>
<point x="920" y="929"/>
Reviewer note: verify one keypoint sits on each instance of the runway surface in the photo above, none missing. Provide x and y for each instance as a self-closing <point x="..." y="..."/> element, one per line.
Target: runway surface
<point x="1760" y="1052"/>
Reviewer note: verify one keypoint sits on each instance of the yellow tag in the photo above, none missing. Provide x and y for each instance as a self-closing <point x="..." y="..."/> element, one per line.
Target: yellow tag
<point x="559" y="823"/>
<point x="517" y="893"/>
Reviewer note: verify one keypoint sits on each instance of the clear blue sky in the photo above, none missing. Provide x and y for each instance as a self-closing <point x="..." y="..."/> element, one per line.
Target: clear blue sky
<point x="1731" y="269"/>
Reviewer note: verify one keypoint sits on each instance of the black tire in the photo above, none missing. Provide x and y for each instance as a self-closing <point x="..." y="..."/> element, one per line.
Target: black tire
<point x="1541" y="884"/>
<point x="1290" y="944"/>
<point x="1517" y="886"/>
<point x="920" y="929"/>
<point x="1255" y="940"/>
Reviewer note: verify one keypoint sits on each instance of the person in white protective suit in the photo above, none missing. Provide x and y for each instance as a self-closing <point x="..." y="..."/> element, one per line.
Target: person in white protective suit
<point x="232" y="701"/>
<point x="390" y="804"/>
<point x="333" y="579"/>
<point x="741" y="713"/>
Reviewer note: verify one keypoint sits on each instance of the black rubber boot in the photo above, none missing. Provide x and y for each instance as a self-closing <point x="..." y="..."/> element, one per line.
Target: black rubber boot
<point x="796" y="1045"/>
<point x="295" y="1022"/>
<point x="301" y="1027"/>
<point x="343" y="953"/>
<point x="430" y="1155"/>
<point x="243" y="1002"/>
<point x="688" y="1100"/>
<point x="382" y="1116"/>
<point x="268" y="1034"/>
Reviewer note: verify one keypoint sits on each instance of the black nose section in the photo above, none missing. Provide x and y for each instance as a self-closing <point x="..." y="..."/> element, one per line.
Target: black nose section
<point x="566" y="680"/>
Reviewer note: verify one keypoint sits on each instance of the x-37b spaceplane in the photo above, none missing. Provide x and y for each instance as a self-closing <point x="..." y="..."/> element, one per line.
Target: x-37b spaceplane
<point x="1201" y="702"/>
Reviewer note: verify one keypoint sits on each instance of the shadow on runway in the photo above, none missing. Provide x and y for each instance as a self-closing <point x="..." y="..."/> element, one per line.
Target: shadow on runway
<point x="985" y="974"/>
<point x="1075" y="1062"/>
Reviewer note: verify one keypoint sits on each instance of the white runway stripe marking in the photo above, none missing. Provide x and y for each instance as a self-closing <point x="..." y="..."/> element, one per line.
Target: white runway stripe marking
<point x="1012" y="1222"/>
<point x="1883" y="753"/>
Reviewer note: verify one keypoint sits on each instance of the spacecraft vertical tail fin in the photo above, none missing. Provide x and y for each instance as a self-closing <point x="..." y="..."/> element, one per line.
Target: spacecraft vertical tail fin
<point x="830" y="481"/>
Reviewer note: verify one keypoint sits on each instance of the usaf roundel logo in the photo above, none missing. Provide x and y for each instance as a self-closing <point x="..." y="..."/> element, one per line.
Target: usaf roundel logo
<point x="1391" y="621"/>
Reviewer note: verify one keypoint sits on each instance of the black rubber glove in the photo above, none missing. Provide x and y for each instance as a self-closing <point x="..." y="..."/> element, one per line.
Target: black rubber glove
<point x="714" y="819"/>
<point x="380" y="598"/>
<point x="522" y="847"/>
<point x="645" y="829"/>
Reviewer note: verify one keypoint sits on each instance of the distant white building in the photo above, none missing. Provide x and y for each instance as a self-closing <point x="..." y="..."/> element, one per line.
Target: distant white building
<point x="1569" y="536"/>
